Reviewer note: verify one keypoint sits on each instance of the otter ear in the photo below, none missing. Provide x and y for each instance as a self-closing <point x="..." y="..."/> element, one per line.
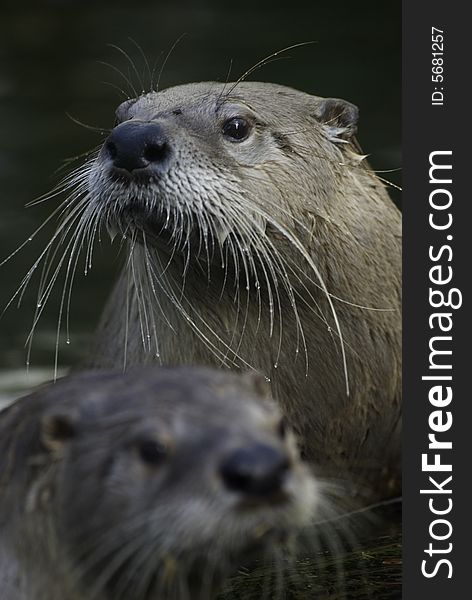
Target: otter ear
<point x="257" y="383"/>
<point x="57" y="428"/>
<point x="339" y="118"/>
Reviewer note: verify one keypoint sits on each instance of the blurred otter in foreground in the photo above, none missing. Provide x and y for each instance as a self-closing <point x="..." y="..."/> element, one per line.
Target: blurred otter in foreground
<point x="150" y="485"/>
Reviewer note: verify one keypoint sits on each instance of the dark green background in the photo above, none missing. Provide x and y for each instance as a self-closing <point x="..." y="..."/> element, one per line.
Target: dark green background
<point x="49" y="66"/>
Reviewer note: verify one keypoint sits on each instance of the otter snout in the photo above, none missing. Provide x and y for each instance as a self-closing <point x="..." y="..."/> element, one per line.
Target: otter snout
<point x="138" y="147"/>
<point x="258" y="470"/>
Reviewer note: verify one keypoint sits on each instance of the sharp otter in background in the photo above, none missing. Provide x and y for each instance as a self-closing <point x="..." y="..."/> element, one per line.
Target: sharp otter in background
<point x="258" y="238"/>
<point x="150" y="485"/>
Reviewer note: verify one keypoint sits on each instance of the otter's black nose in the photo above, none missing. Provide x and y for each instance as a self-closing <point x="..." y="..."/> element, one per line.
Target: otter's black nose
<point x="257" y="470"/>
<point x="137" y="145"/>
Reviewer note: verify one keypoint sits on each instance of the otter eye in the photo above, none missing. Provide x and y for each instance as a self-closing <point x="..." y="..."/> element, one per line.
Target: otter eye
<point x="152" y="452"/>
<point x="236" y="129"/>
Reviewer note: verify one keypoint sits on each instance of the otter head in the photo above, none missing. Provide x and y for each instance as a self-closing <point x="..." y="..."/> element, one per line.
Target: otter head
<point x="199" y="166"/>
<point x="167" y="479"/>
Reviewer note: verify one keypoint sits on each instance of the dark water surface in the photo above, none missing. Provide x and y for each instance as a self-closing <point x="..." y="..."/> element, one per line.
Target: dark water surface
<point x="50" y="68"/>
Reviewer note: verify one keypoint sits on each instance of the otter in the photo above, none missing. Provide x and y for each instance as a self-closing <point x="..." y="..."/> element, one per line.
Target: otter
<point x="257" y="237"/>
<point x="149" y="485"/>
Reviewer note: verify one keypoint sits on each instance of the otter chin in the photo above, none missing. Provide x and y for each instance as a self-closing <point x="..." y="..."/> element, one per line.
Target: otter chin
<point x="152" y="485"/>
<point x="257" y="237"/>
